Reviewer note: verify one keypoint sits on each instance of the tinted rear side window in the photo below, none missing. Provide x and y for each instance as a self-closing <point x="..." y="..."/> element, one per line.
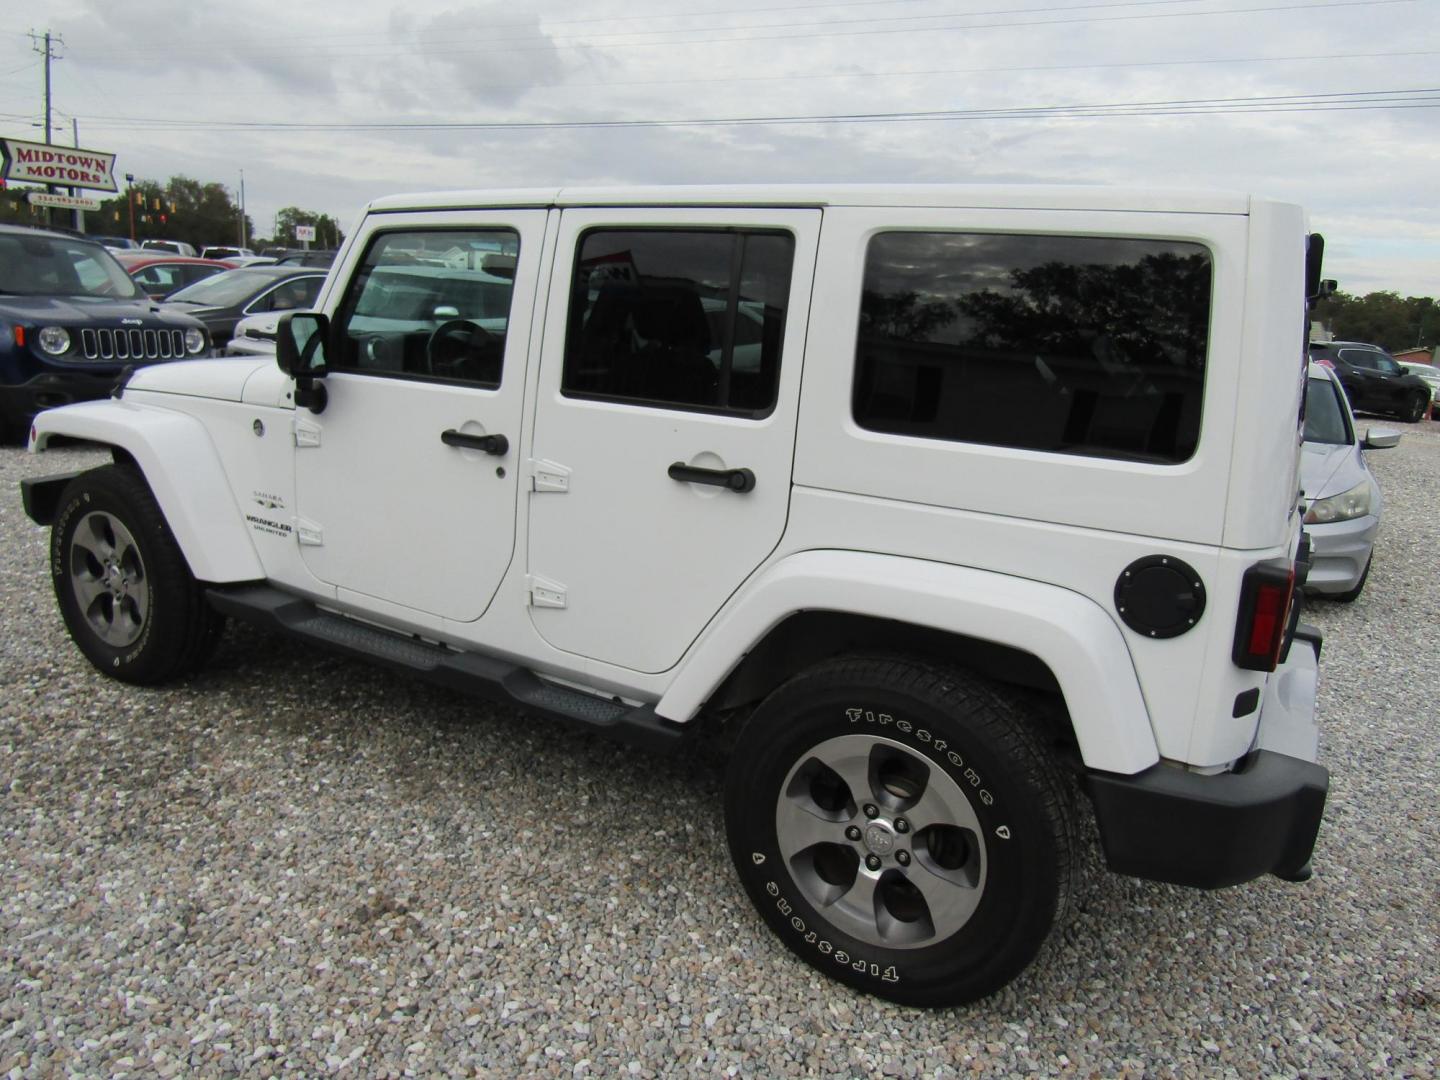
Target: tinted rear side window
<point x="679" y="318"/>
<point x="1070" y="344"/>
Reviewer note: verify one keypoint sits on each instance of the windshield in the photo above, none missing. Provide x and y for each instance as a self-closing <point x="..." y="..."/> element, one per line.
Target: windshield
<point x="224" y="290"/>
<point x="1325" y="419"/>
<point x="41" y="265"/>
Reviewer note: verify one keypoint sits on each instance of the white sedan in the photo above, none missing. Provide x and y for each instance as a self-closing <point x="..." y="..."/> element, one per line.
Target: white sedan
<point x="255" y="335"/>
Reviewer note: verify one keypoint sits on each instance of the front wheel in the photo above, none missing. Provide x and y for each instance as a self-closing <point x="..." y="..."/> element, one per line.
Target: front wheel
<point x="123" y="586"/>
<point x="900" y="828"/>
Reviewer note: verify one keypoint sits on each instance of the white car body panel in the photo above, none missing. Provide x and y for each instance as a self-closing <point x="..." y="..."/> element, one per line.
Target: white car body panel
<point x="178" y="456"/>
<point x="223" y="380"/>
<point x="1080" y="643"/>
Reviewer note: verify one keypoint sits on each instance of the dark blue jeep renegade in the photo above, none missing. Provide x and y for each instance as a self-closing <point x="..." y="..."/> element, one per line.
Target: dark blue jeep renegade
<point x="70" y="321"/>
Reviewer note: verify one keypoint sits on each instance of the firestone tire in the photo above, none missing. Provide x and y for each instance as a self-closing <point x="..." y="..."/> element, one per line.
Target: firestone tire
<point x="901" y="828"/>
<point x="123" y="586"/>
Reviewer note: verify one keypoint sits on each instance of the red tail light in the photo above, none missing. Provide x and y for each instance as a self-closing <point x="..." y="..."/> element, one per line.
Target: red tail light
<point x="1265" y="599"/>
<point x="1325" y="363"/>
<point x="20" y="332"/>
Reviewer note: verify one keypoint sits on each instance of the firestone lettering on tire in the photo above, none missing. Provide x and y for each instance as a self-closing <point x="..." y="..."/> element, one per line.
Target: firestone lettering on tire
<point x="971" y="777"/>
<point x="889" y="974"/>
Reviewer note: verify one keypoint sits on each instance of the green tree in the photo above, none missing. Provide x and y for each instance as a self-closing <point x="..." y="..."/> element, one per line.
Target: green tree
<point x="182" y="209"/>
<point x="327" y="229"/>
<point x="1382" y="318"/>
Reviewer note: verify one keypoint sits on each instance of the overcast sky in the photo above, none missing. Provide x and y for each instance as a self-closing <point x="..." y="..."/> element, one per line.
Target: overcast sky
<point x="1067" y="92"/>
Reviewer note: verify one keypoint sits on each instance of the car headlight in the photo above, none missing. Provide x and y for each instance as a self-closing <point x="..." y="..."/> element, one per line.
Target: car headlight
<point x="194" y="341"/>
<point x="55" y="340"/>
<point x="1343" y="507"/>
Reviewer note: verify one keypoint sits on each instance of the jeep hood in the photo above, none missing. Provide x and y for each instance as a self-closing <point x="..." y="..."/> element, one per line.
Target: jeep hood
<point x="222" y="379"/>
<point x="90" y="310"/>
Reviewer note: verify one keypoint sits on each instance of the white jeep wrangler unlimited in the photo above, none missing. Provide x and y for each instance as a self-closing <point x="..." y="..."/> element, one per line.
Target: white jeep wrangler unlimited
<point x="952" y="502"/>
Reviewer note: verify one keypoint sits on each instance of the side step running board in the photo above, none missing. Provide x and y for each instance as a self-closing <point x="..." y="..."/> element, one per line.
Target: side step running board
<point x="470" y="673"/>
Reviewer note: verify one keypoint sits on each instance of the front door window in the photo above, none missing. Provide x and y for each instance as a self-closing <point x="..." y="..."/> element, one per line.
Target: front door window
<point x="431" y="305"/>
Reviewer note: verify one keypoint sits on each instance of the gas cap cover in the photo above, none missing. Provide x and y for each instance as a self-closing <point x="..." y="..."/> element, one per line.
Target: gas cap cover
<point x="1160" y="596"/>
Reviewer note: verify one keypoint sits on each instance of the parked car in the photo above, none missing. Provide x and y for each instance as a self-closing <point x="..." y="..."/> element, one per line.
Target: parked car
<point x="117" y="243"/>
<point x="174" y="247"/>
<point x="70" y="320"/>
<point x="1342" y="499"/>
<point x="225" y="253"/>
<point x="223" y="300"/>
<point x="1431" y="374"/>
<point x="160" y="274"/>
<point x="1373" y="379"/>
<point x="255" y="335"/>
<point x="314" y="257"/>
<point x="987" y="556"/>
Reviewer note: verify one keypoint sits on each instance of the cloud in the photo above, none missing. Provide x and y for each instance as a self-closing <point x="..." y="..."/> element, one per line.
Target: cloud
<point x="1365" y="176"/>
<point x="182" y="43"/>
<point x="480" y="54"/>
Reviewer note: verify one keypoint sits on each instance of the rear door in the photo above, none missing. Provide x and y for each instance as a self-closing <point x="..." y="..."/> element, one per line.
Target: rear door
<point x="665" y="421"/>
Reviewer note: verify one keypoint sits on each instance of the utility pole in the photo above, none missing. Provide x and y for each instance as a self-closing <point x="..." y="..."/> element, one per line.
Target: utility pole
<point x="242" y="208"/>
<point x="48" y="50"/>
<point x="46" y="45"/>
<point x="75" y="137"/>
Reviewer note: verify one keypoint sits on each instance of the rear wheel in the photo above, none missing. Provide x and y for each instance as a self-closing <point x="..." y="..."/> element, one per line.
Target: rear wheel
<point x="1416" y="405"/>
<point x="900" y="828"/>
<point x="123" y="586"/>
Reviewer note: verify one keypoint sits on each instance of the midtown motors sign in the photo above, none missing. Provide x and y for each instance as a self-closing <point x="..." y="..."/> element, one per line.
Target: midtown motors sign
<point x="41" y="163"/>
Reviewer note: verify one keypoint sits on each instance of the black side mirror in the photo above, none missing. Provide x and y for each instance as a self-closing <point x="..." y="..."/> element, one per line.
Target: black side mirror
<point x="300" y="340"/>
<point x="1316" y="287"/>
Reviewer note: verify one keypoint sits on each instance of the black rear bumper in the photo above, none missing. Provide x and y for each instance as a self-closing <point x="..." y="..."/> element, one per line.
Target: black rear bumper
<point x="1209" y="831"/>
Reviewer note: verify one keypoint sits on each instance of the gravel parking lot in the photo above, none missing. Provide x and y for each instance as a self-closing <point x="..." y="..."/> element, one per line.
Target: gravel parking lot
<point x="295" y="864"/>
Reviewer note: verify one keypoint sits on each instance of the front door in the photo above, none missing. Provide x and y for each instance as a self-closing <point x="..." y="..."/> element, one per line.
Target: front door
<point x="665" y="421"/>
<point x="406" y="482"/>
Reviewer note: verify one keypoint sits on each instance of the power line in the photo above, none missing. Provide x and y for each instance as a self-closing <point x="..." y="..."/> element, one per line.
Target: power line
<point x="652" y="15"/>
<point x="31" y="66"/>
<point x="600" y="39"/>
<point x="555" y="44"/>
<point x="386" y="40"/>
<point x="1322" y="102"/>
<point x="731" y="78"/>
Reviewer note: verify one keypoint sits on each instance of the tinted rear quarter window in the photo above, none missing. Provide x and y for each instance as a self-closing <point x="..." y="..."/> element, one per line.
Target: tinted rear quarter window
<point x="1069" y="344"/>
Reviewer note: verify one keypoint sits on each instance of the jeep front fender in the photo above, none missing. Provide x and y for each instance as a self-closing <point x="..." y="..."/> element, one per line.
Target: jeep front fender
<point x="1069" y="633"/>
<point x="178" y="459"/>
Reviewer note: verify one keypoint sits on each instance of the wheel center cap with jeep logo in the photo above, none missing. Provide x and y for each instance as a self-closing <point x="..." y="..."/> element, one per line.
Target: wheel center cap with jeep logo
<point x="879" y="839"/>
